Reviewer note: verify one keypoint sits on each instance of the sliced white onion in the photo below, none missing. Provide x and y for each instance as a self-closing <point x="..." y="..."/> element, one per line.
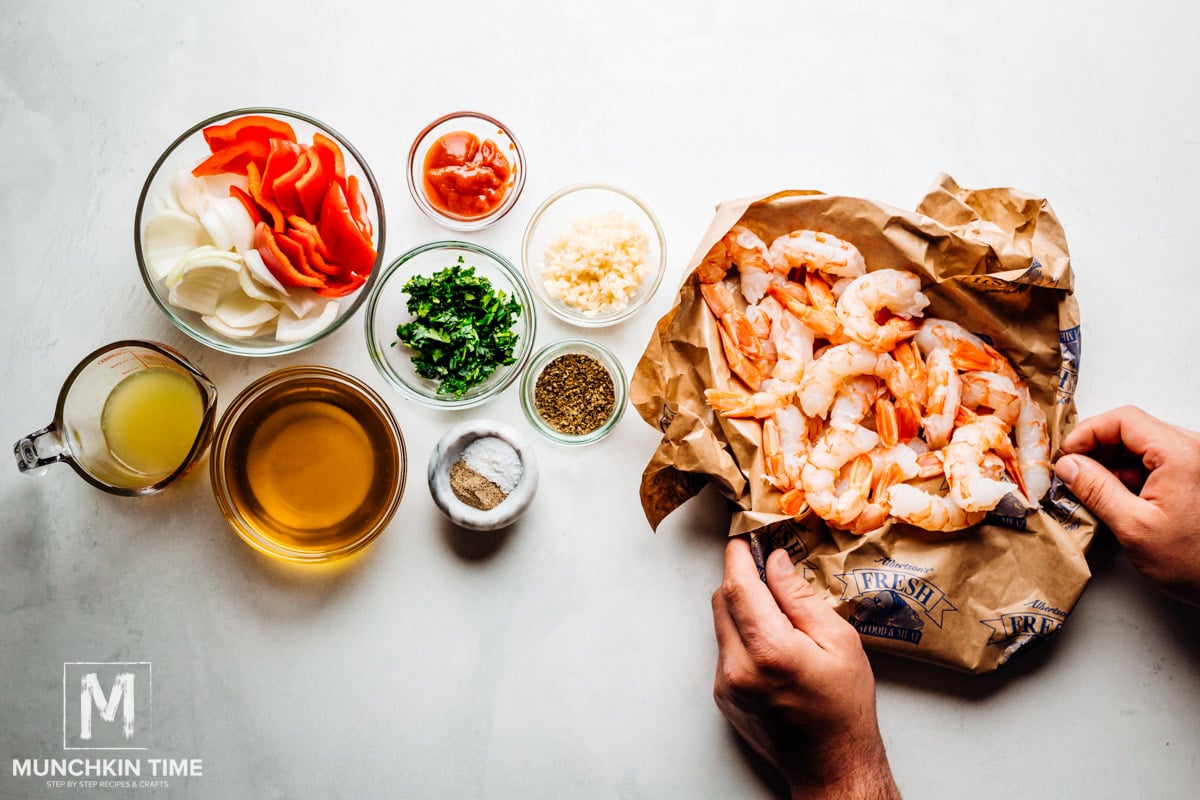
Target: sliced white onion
<point x="301" y="301"/>
<point x="291" y="328"/>
<point x="260" y="272"/>
<point x="200" y="289"/>
<point x="214" y="322"/>
<point x="239" y="311"/>
<point x="168" y="237"/>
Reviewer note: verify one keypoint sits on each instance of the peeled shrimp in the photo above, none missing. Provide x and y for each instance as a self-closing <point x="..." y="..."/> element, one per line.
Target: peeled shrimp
<point x="759" y="405"/>
<point x="819" y="252"/>
<point x="838" y="445"/>
<point x="970" y="484"/>
<point x="1033" y="448"/>
<point x="992" y="390"/>
<point x="785" y="446"/>
<point x="741" y="246"/>
<point x="891" y="465"/>
<point x="872" y="293"/>
<point x="797" y="300"/>
<point x="931" y="512"/>
<point x="944" y="387"/>
<point x="827" y="373"/>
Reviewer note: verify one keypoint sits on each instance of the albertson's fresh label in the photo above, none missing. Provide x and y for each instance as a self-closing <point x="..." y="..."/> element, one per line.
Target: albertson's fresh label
<point x="893" y="600"/>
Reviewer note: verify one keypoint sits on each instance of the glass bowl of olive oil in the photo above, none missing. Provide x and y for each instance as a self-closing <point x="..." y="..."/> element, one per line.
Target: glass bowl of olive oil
<point x="308" y="464"/>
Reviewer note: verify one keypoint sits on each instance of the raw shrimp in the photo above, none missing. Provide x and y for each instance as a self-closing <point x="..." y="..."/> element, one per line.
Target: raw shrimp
<point x="868" y="295"/>
<point x="931" y="512"/>
<point x="741" y="246"/>
<point x="944" y="387"/>
<point x="837" y="364"/>
<point x="970" y="484"/>
<point x="819" y="252"/>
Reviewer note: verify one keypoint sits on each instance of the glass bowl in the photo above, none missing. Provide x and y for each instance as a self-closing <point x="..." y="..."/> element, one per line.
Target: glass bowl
<point x="171" y="195"/>
<point x="566" y="395"/>
<point x="608" y="223"/>
<point x="387" y="308"/>
<point x="308" y="464"/>
<point x="484" y="129"/>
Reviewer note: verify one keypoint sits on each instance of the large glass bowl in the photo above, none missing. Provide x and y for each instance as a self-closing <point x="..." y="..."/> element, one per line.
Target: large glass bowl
<point x="160" y="193"/>
<point x="387" y="308"/>
<point x="308" y="464"/>
<point x="585" y="226"/>
<point x="484" y="128"/>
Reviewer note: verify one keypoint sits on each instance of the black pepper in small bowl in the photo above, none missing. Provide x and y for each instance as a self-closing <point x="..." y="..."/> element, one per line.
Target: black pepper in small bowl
<point x="574" y="391"/>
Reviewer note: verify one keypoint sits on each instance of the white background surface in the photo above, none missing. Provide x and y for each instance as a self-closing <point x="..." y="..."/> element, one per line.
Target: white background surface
<point x="572" y="656"/>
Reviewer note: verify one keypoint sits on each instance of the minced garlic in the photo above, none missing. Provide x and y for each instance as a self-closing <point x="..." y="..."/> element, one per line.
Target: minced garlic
<point x="597" y="265"/>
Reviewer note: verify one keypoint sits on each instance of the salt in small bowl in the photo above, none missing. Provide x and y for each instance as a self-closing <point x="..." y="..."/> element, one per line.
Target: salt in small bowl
<point x="449" y="450"/>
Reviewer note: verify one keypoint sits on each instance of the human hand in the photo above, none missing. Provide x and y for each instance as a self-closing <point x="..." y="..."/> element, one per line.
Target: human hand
<point x="793" y="680"/>
<point x="1141" y="477"/>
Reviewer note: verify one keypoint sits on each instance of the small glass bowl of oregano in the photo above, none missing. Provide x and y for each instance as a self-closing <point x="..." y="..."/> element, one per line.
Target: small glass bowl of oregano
<point x="574" y="391"/>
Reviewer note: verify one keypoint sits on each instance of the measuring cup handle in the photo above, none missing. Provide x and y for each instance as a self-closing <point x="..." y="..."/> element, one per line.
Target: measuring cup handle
<point x="39" y="450"/>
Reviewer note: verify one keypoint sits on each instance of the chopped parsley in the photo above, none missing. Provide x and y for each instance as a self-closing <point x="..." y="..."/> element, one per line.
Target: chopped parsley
<point x="462" y="328"/>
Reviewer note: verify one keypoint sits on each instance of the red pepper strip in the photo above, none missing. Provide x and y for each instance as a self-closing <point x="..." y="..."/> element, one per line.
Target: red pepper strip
<point x="331" y="158"/>
<point x="347" y="245"/>
<point x="282" y="158"/>
<point x="310" y="187"/>
<point x="251" y="126"/>
<point x="233" y="158"/>
<point x="295" y="254"/>
<point x="251" y="207"/>
<point x="307" y="228"/>
<point x="254" y="184"/>
<point x="284" y="187"/>
<point x="314" y="259"/>
<point x="283" y="269"/>
<point x="358" y="206"/>
<point x="342" y="289"/>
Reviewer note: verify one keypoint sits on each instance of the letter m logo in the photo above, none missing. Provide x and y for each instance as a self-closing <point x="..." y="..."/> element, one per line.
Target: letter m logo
<point x="112" y="709"/>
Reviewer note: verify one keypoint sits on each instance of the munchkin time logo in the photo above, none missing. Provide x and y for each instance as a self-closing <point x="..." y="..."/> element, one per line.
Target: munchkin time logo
<point x="107" y="726"/>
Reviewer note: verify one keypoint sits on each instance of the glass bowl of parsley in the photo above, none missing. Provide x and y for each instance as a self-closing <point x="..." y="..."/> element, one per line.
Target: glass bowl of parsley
<point x="450" y="324"/>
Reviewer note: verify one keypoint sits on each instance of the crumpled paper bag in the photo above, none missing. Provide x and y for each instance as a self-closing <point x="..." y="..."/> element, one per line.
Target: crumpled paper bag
<point x="994" y="260"/>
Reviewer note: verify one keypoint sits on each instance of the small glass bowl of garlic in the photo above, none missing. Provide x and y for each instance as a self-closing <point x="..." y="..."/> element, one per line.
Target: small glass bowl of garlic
<point x="259" y="231"/>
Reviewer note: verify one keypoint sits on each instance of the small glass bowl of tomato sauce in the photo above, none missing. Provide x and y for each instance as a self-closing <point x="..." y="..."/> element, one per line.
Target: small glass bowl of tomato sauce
<point x="466" y="170"/>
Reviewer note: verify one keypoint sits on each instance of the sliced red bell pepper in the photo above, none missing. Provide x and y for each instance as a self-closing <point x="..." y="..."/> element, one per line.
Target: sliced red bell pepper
<point x="358" y="206"/>
<point x="314" y="259"/>
<point x="251" y="207"/>
<point x="310" y="187"/>
<point x="284" y="187"/>
<point x="233" y="158"/>
<point x="331" y="158"/>
<point x="309" y="229"/>
<point x="294" y="252"/>
<point x="250" y="127"/>
<point x="254" y="183"/>
<point x="347" y="246"/>
<point x="336" y="289"/>
<point x="278" y="263"/>
<point x="282" y="158"/>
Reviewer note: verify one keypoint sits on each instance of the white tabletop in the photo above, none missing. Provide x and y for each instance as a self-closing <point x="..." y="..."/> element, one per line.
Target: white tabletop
<point x="572" y="655"/>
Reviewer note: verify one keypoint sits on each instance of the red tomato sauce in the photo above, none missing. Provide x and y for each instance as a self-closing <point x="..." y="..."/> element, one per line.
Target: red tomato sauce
<point x="465" y="177"/>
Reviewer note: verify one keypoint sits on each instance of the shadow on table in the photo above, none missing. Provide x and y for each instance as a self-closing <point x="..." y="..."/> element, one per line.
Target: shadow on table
<point x="476" y="545"/>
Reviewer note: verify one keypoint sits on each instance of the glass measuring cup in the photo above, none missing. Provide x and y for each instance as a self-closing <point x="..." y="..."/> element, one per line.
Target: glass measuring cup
<point x="125" y="418"/>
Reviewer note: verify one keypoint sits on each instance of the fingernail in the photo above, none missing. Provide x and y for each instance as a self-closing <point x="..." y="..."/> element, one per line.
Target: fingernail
<point x="782" y="560"/>
<point x="1066" y="469"/>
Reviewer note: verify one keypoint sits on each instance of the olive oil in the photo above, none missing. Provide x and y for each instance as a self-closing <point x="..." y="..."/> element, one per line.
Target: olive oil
<point x="311" y="466"/>
<point x="151" y="419"/>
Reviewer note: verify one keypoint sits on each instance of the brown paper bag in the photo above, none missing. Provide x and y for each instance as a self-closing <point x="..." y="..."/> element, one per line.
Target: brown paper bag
<point x="994" y="260"/>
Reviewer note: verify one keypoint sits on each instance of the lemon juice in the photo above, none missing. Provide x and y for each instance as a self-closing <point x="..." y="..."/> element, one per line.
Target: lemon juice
<point x="151" y="419"/>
